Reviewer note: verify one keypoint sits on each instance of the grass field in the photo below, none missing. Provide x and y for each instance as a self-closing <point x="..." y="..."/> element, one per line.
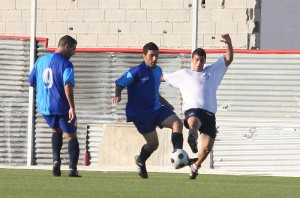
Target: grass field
<point x="40" y="183"/>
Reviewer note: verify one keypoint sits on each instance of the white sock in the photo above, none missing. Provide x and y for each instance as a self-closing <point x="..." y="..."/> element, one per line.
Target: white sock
<point x="195" y="168"/>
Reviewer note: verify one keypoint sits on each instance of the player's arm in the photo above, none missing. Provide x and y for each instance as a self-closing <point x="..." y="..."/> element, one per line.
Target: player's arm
<point x="163" y="101"/>
<point x="69" y="83"/>
<point x="32" y="78"/>
<point x="118" y="92"/>
<point x="229" y="52"/>
<point x="124" y="81"/>
<point x="30" y="85"/>
<point x="162" y="79"/>
<point x="69" y="91"/>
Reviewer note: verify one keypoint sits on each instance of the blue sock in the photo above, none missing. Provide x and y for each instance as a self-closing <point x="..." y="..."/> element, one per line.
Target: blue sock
<point x="73" y="149"/>
<point x="57" y="142"/>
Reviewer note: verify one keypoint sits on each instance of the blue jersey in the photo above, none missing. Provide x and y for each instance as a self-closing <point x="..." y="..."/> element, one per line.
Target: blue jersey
<point x="142" y="84"/>
<point x="50" y="74"/>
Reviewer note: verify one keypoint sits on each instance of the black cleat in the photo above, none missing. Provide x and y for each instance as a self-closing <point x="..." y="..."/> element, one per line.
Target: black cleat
<point x="74" y="173"/>
<point x="193" y="143"/>
<point x="141" y="167"/>
<point x="192" y="161"/>
<point x="194" y="172"/>
<point x="56" y="169"/>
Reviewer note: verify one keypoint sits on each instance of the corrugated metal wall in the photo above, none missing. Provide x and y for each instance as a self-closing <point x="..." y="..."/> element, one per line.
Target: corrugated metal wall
<point x="258" y="113"/>
<point x="14" y="68"/>
<point x="95" y="74"/>
<point x="259" y="116"/>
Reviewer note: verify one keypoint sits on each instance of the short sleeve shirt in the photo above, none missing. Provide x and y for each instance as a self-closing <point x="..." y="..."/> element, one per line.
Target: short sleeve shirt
<point x="50" y="74"/>
<point x="199" y="89"/>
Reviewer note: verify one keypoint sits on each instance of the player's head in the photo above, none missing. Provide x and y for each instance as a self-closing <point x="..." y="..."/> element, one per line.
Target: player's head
<point x="149" y="46"/>
<point x="199" y="52"/>
<point x="198" y="59"/>
<point x="67" y="46"/>
<point x="150" y="54"/>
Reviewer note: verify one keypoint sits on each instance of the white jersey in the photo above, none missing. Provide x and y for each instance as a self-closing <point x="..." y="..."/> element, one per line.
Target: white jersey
<point x="199" y="89"/>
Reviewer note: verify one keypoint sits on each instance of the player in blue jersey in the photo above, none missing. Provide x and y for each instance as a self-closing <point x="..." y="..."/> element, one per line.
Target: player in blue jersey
<point x="145" y="107"/>
<point x="53" y="78"/>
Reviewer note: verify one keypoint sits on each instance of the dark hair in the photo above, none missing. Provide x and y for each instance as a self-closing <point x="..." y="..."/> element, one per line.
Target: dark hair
<point x="67" y="40"/>
<point x="149" y="46"/>
<point x="199" y="52"/>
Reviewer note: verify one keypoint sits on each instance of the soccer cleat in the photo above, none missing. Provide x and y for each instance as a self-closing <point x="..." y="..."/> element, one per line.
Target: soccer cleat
<point x="74" y="173"/>
<point x="194" y="171"/>
<point x="141" y="167"/>
<point x="192" y="161"/>
<point x="193" y="143"/>
<point x="56" y="169"/>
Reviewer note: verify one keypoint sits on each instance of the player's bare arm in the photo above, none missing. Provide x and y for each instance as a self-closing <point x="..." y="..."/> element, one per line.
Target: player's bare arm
<point x="70" y="97"/>
<point x="162" y="78"/>
<point x="117" y="98"/>
<point x="229" y="52"/>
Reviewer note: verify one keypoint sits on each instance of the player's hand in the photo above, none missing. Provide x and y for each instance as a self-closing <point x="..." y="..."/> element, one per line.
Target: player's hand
<point x="116" y="100"/>
<point x="226" y="38"/>
<point x="72" y="115"/>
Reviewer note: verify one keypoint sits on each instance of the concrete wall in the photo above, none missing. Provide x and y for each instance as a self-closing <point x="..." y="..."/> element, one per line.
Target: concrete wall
<point x="121" y="142"/>
<point x="132" y="23"/>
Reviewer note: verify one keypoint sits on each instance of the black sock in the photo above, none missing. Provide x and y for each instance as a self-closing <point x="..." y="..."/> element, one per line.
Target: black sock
<point x="73" y="149"/>
<point x="144" y="155"/>
<point x="57" y="142"/>
<point x="177" y="140"/>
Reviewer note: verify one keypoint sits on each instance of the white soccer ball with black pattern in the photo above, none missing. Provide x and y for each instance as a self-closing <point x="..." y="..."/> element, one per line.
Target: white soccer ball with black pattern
<point x="179" y="158"/>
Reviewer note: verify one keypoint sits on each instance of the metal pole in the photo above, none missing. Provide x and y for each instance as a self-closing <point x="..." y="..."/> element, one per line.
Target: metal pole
<point x="195" y="25"/>
<point x="31" y="91"/>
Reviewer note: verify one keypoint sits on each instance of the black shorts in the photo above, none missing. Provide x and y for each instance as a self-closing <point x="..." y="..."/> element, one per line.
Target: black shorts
<point x="208" y="121"/>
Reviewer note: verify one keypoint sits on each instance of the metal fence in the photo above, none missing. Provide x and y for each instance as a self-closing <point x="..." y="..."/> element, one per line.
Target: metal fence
<point x="258" y="106"/>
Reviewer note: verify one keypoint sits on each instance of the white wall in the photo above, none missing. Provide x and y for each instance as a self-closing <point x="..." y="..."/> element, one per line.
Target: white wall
<point x="132" y="23"/>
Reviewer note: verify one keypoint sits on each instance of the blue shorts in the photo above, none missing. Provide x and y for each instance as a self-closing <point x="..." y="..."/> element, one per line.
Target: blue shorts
<point x="208" y="121"/>
<point x="153" y="120"/>
<point x="61" y="121"/>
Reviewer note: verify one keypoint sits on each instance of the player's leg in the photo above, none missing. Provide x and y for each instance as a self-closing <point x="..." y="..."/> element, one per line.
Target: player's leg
<point x="147" y="128"/>
<point x="171" y="120"/>
<point x="146" y="151"/>
<point x="207" y="136"/>
<point x="151" y="142"/>
<point x="70" y="132"/>
<point x="150" y="146"/>
<point x="73" y="150"/>
<point x="193" y="125"/>
<point x="205" y="147"/>
<point x="56" y="142"/>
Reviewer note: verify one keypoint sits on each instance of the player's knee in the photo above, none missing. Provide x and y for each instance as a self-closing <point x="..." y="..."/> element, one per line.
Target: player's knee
<point x="153" y="146"/>
<point x="178" y="126"/>
<point x="70" y="136"/>
<point x="194" y="123"/>
<point x="207" y="149"/>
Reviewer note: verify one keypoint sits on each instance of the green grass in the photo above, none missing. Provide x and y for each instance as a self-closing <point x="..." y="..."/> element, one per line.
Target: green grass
<point x="40" y="183"/>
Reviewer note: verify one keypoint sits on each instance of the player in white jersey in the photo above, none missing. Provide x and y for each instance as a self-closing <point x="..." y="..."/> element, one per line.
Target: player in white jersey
<point x="198" y="87"/>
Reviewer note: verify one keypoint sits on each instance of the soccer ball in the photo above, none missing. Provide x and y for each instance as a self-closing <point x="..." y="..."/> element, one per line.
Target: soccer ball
<point x="179" y="158"/>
